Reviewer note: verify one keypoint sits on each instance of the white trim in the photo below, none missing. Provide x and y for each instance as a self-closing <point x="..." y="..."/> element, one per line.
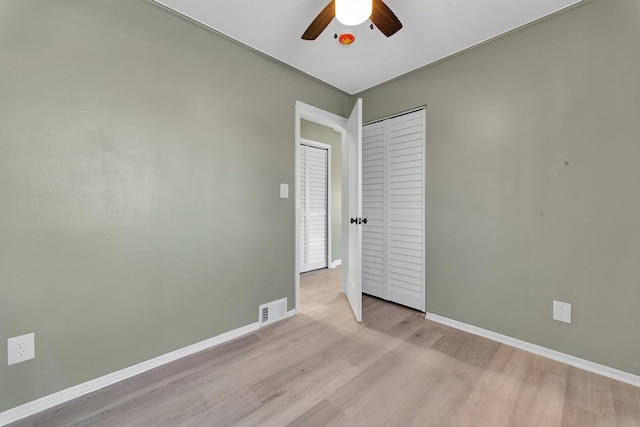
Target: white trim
<point x="316" y="144"/>
<point x="577" y="362"/>
<point x="335" y="264"/>
<point x="321" y="117"/>
<point x="46" y="402"/>
<point x="296" y="196"/>
<point x="392" y="116"/>
<point x="424" y="208"/>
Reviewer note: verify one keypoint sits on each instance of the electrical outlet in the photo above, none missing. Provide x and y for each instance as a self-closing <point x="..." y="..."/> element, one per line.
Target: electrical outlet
<point x="562" y="311"/>
<point x="21" y="348"/>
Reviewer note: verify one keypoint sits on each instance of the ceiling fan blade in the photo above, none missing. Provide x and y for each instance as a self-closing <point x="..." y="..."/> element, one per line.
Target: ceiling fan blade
<point x="383" y="18"/>
<point x="323" y="19"/>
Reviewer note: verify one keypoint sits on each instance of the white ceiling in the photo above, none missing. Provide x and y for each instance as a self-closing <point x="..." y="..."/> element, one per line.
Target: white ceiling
<point x="433" y="29"/>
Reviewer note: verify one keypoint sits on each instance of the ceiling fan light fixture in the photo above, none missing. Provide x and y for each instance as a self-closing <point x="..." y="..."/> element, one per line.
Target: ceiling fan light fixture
<point x="353" y="12"/>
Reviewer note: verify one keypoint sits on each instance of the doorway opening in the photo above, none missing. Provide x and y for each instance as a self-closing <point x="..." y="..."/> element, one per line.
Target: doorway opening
<point x="350" y="130"/>
<point x="319" y="128"/>
<point x="319" y="197"/>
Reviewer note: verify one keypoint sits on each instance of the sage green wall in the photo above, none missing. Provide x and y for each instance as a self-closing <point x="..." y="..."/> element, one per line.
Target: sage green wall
<point x="140" y="163"/>
<point x="533" y="181"/>
<point x="319" y="133"/>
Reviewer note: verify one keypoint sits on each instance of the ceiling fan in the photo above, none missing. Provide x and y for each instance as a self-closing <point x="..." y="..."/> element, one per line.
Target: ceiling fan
<point x="381" y="16"/>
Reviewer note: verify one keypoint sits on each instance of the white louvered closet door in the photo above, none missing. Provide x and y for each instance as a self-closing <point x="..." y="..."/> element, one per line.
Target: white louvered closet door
<point x="400" y="234"/>
<point x="313" y="208"/>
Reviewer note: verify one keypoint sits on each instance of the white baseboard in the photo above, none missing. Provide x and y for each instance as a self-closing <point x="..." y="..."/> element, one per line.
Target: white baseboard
<point x="335" y="264"/>
<point x="33" y="407"/>
<point x="587" y="365"/>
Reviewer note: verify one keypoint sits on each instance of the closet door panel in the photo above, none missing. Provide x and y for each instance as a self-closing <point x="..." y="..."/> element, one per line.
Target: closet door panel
<point x="405" y="211"/>
<point x="373" y="209"/>
<point x="317" y="207"/>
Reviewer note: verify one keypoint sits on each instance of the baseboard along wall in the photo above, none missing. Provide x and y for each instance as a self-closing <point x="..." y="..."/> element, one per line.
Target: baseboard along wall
<point x="31" y="408"/>
<point x="577" y="362"/>
<point x="46" y="402"/>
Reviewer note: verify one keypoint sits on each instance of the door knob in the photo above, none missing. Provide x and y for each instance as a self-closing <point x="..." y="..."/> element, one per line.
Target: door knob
<point x="364" y="220"/>
<point x="353" y="221"/>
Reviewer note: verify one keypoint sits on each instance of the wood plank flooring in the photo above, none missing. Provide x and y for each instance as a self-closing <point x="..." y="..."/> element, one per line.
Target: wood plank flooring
<point x="322" y="368"/>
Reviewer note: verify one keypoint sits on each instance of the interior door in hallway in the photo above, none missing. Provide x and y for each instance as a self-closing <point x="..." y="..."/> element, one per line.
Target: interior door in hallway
<point x="314" y="196"/>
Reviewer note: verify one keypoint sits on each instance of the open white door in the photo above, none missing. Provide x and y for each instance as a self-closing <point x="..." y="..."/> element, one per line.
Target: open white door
<point x="353" y="266"/>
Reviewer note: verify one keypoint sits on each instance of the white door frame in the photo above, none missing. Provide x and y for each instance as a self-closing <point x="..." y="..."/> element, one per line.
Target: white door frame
<point x="327" y="147"/>
<point x="338" y="124"/>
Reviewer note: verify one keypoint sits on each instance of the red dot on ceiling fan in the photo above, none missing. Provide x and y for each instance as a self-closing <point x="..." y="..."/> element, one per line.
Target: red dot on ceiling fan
<point x="346" y="38"/>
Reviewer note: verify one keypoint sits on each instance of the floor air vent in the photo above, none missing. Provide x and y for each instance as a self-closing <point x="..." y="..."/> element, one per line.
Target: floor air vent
<point x="272" y="312"/>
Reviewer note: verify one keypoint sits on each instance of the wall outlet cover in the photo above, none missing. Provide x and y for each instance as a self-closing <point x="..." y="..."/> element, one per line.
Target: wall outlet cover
<point x="21" y="348"/>
<point x="562" y="311"/>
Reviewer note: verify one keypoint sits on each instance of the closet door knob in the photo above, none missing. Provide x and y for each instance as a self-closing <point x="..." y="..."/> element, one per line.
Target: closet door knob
<point x="353" y="221"/>
<point x="364" y="220"/>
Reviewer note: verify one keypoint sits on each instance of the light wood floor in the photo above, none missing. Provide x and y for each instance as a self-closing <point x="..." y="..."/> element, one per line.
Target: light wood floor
<point x="322" y="368"/>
